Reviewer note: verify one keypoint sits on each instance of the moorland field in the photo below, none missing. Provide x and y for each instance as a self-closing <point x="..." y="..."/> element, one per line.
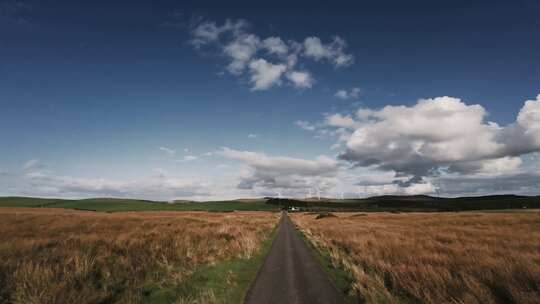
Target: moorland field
<point x="67" y="256"/>
<point x="382" y="250"/>
<point x="433" y="257"/>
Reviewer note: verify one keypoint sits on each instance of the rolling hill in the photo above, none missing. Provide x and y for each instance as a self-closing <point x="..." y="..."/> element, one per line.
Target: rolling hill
<point x="419" y="203"/>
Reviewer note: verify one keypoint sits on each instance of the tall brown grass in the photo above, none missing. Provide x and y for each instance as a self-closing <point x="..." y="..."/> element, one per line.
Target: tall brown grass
<point x="62" y="256"/>
<point x="434" y="258"/>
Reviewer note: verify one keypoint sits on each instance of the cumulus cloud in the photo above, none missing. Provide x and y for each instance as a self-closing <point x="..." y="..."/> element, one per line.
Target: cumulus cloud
<point x="274" y="45"/>
<point x="353" y="93"/>
<point x="265" y="75"/>
<point x="442" y="134"/>
<point x="332" y="52"/>
<point x="241" y="50"/>
<point x="280" y="172"/>
<point x="301" y="80"/>
<point x="208" y="32"/>
<point x="268" y="61"/>
<point x="529" y="121"/>
<point x="341" y="121"/>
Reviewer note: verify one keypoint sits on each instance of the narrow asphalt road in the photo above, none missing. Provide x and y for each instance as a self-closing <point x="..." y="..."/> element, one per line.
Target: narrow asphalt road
<point x="290" y="273"/>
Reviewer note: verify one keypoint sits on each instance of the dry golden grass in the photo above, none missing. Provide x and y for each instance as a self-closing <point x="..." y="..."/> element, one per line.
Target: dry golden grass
<point x="434" y="258"/>
<point x="63" y="256"/>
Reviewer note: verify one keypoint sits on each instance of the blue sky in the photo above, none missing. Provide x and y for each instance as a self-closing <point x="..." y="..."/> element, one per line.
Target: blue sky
<point x="90" y="92"/>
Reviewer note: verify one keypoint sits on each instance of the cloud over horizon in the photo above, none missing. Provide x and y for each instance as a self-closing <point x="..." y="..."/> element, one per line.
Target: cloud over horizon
<point x="435" y="137"/>
<point x="280" y="172"/>
<point x="35" y="179"/>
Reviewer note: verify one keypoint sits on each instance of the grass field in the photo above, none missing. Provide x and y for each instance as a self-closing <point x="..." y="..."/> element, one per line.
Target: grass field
<point x="116" y="205"/>
<point x="433" y="257"/>
<point x="67" y="256"/>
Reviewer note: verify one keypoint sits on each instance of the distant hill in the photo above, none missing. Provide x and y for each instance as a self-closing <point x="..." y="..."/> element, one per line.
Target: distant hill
<point x="120" y="204"/>
<point x="393" y="203"/>
<point x="422" y="203"/>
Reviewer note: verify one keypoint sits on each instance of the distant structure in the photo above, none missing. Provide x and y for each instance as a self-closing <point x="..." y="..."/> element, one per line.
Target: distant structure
<point x="310" y="194"/>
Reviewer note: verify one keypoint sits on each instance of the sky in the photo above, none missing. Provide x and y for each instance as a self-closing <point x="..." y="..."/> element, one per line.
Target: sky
<point x="210" y="100"/>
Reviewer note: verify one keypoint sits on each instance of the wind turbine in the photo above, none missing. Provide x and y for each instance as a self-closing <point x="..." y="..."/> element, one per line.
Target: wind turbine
<point x="318" y="192"/>
<point x="437" y="191"/>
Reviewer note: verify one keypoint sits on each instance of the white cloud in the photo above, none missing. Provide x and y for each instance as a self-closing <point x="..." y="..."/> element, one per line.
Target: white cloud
<point x="265" y="75"/>
<point x="529" y="120"/>
<point x="272" y="172"/>
<point x="301" y="80"/>
<point x="497" y="166"/>
<point x="394" y="189"/>
<point x="245" y="49"/>
<point x="274" y="45"/>
<point x="305" y="125"/>
<point x="253" y="136"/>
<point x="168" y="151"/>
<point x="188" y="158"/>
<point x="333" y="51"/>
<point x="353" y="93"/>
<point x="241" y="50"/>
<point x="341" y="94"/>
<point x="208" y="32"/>
<point x="32" y="180"/>
<point x="437" y="134"/>
<point x="340" y="121"/>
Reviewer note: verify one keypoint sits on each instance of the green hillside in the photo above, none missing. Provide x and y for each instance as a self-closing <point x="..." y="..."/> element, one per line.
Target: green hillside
<point x="382" y="203"/>
<point x="116" y="205"/>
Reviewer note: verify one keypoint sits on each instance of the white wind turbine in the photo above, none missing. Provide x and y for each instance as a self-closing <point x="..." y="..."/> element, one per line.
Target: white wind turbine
<point x="318" y="192"/>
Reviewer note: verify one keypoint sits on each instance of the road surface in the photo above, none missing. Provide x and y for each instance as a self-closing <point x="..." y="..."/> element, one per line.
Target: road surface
<point x="290" y="273"/>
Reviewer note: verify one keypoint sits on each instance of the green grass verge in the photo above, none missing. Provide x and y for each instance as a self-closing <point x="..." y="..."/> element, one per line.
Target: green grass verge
<point x="119" y="205"/>
<point x="342" y="279"/>
<point x="227" y="281"/>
